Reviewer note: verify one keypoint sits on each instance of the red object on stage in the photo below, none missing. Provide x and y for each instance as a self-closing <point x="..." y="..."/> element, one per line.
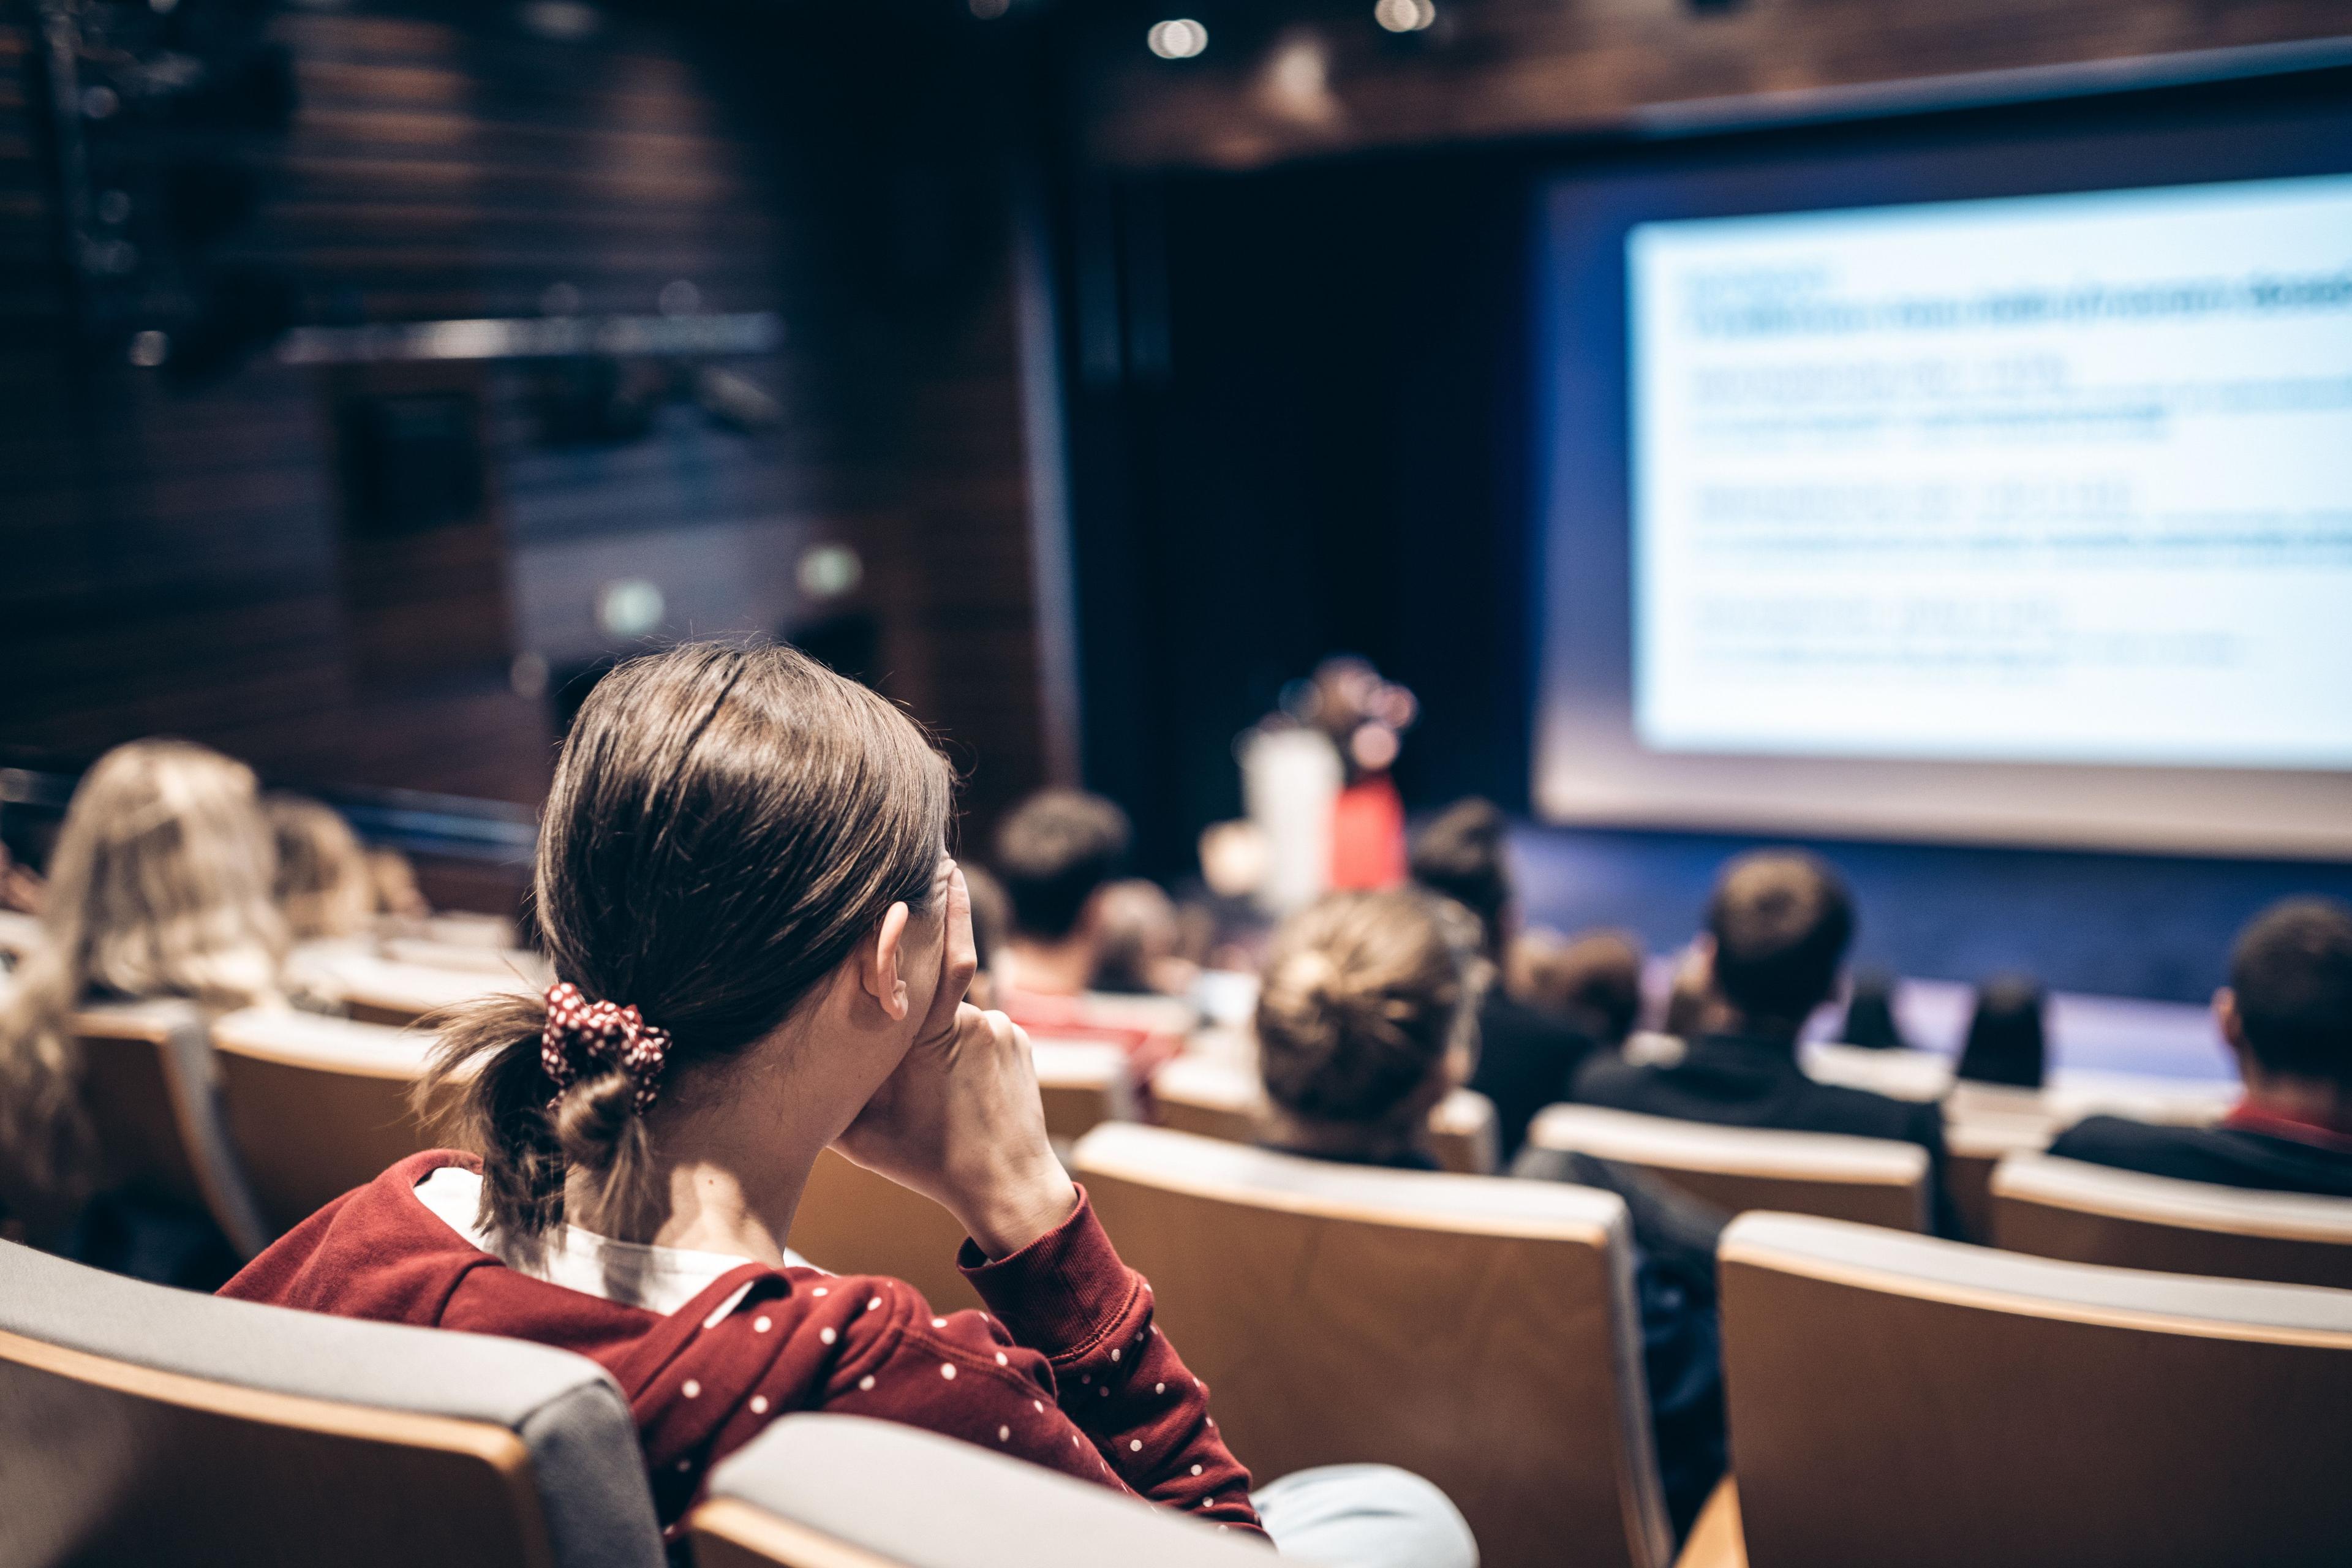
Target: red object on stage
<point x="1367" y="835"/>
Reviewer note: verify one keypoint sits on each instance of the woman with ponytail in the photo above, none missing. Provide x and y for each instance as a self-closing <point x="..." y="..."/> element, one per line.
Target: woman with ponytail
<point x="761" y="950"/>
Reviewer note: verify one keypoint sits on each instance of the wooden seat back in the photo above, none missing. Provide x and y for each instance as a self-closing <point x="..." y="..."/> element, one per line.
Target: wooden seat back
<point x="1873" y="1180"/>
<point x="1899" y="1399"/>
<point x="1479" y="1331"/>
<point x="2091" y="1214"/>
<point x="316" y="1105"/>
<point x="148" y="1087"/>
<point x="1214" y="1099"/>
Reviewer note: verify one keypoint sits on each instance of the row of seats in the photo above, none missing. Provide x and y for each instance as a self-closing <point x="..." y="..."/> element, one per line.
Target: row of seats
<point x="309" y="1107"/>
<point x="148" y="1425"/>
<point x="1892" y="1398"/>
<point x="1328" y="1304"/>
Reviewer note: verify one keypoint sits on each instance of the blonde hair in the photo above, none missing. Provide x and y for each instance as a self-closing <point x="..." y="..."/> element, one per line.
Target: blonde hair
<point x="159" y="886"/>
<point x="1364" y="995"/>
<point x="325" y="887"/>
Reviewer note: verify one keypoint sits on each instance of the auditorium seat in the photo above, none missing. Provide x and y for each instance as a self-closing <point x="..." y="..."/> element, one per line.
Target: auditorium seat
<point x="1900" y="1073"/>
<point x="831" y="1491"/>
<point x="477" y="957"/>
<point x="1463" y="1135"/>
<point x="143" y="1425"/>
<point x="316" y="1105"/>
<point x="148" y="1084"/>
<point x="1083" y="1082"/>
<point x="1873" y="1180"/>
<point x="1477" y="1331"/>
<point x="376" y="990"/>
<point x="1898" y="1399"/>
<point x="1216" y="1099"/>
<point x="2091" y="1214"/>
<point x="852" y="1221"/>
<point x="1973" y="1146"/>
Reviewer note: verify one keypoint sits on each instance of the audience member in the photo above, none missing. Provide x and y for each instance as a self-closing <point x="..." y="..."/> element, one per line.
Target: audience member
<point x="1778" y="926"/>
<point x="20" y="885"/>
<point x="2287" y="1016"/>
<point x="1687" y="995"/>
<point x="1869" y="1022"/>
<point x="1139" y="938"/>
<point x="397" y="896"/>
<point x="159" y="886"/>
<point x="1591" y="982"/>
<point x="1364" y="1023"/>
<point x="1525" y="1061"/>
<point x="1366" y="1018"/>
<point x="1055" y="854"/>
<point x="1058" y="855"/>
<point x="325" y="887"/>
<point x="764" y="948"/>
<point x="2008" y="1043"/>
<point x="992" y="921"/>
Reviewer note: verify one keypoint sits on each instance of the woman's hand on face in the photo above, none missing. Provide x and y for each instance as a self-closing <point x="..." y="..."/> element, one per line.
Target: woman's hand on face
<point x="961" y="1120"/>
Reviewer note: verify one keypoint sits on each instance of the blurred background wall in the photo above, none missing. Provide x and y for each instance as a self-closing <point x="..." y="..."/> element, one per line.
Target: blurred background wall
<point x="387" y="572"/>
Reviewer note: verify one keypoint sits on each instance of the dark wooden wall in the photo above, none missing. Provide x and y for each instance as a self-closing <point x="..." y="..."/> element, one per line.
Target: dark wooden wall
<point x="174" y="558"/>
<point x="1320" y="75"/>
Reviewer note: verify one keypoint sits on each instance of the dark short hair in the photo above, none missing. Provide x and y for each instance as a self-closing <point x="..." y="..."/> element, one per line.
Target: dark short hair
<point x="1782" y="921"/>
<point x="2007" y="1042"/>
<point x="2292" y="973"/>
<point x="1461" y="853"/>
<point x="1056" y="849"/>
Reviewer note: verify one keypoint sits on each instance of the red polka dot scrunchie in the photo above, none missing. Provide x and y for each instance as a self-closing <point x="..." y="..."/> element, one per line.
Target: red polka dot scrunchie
<point x="581" y="1033"/>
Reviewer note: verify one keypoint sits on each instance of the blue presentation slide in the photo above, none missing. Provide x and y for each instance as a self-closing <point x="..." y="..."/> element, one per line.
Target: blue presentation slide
<point x="2059" y="479"/>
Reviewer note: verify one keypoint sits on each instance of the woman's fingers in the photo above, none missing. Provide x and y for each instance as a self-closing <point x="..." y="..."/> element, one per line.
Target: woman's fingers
<point x="959" y="959"/>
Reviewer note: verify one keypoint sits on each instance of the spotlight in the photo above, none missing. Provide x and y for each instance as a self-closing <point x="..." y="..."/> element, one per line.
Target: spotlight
<point x="989" y="10"/>
<point x="1406" y="16"/>
<point x="829" y="571"/>
<point x="1179" y="39"/>
<point x="629" y="607"/>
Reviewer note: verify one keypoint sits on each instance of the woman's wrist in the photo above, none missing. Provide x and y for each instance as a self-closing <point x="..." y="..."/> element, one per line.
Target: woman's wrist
<point x="1018" y="1206"/>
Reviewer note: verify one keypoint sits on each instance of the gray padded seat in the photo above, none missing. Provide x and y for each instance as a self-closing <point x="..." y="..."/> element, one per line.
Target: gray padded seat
<point x="143" y="1425"/>
<point x="847" y="1491"/>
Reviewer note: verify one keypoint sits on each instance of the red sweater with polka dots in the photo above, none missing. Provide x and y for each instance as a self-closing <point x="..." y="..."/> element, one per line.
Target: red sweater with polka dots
<point x="1065" y="1370"/>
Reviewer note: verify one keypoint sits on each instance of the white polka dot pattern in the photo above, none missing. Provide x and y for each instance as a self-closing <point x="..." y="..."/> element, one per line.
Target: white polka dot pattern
<point x="581" y="1033"/>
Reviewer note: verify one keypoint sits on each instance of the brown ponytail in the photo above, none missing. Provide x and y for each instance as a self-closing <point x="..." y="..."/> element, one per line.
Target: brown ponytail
<point x="1363" y="996"/>
<point x="725" y="825"/>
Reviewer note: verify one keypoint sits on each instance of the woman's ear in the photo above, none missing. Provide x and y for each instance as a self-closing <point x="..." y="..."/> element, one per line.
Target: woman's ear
<point x="883" y="972"/>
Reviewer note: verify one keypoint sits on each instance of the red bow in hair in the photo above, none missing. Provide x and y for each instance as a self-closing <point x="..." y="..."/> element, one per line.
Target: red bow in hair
<point x="580" y="1034"/>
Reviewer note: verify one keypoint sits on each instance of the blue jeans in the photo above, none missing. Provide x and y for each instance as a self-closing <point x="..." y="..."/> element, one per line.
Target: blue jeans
<point x="1365" y="1516"/>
